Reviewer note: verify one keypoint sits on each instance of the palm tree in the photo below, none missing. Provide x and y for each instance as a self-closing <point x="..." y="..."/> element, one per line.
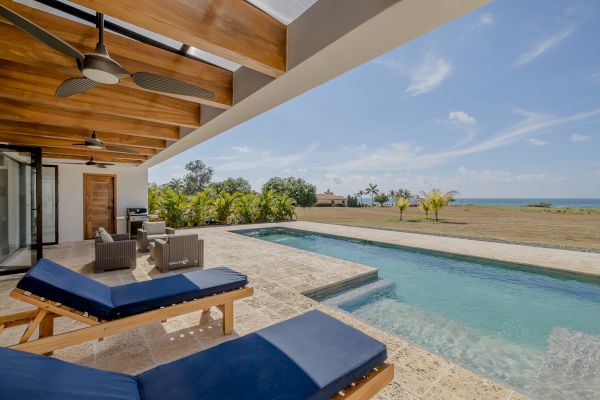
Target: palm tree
<point x="223" y="207"/>
<point x="360" y="194"/>
<point x="328" y="191"/>
<point x="284" y="207"/>
<point x="393" y="196"/>
<point x="372" y="191"/>
<point x="438" y="200"/>
<point x="402" y="205"/>
<point x="424" y="205"/>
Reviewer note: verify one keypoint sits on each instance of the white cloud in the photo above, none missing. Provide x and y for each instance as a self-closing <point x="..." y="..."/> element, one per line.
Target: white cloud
<point x="241" y="149"/>
<point x="461" y="118"/>
<point x="425" y="77"/>
<point x="544" y="45"/>
<point x="429" y="75"/>
<point x="332" y="178"/>
<point x="405" y="155"/>
<point x="302" y="170"/>
<point x="536" y="142"/>
<point x="576" y="137"/>
<point x="486" y="18"/>
<point x="255" y="160"/>
<point x="360" y="147"/>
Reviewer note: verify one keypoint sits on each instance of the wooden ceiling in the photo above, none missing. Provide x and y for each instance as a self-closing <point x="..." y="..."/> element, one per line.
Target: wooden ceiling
<point x="124" y="114"/>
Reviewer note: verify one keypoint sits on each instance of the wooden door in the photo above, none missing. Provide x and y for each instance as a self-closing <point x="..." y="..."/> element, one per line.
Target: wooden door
<point x="99" y="203"/>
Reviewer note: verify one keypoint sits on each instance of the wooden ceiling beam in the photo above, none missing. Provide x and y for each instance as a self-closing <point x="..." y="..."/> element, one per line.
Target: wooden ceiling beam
<point x="59" y="132"/>
<point x="232" y="29"/>
<point x="134" y="56"/>
<point x="27" y="83"/>
<point x="94" y="153"/>
<point x="25" y="140"/>
<point x="100" y="158"/>
<point x="13" y="110"/>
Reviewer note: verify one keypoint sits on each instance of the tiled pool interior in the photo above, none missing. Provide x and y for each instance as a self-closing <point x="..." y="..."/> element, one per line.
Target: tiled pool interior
<point x="536" y="331"/>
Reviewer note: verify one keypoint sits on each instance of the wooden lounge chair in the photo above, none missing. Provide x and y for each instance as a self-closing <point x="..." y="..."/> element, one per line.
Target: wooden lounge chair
<point x="312" y="356"/>
<point x="57" y="291"/>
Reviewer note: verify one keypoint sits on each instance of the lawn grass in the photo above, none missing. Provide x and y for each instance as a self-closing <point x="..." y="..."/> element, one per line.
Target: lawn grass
<point x="569" y="228"/>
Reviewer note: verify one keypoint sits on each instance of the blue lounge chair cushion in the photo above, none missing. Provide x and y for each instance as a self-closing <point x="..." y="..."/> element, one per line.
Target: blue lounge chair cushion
<point x="135" y="298"/>
<point x="34" y="377"/>
<point x="57" y="283"/>
<point x="311" y="356"/>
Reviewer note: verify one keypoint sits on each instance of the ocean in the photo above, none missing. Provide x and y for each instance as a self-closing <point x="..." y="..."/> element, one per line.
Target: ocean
<point x="518" y="202"/>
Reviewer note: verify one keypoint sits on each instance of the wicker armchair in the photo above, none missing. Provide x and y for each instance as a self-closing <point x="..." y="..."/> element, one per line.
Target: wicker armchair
<point x="177" y="251"/>
<point x="117" y="254"/>
<point x="150" y="232"/>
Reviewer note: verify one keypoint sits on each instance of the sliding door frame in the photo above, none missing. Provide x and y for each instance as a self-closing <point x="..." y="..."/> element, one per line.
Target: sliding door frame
<point x="36" y="162"/>
<point x="55" y="205"/>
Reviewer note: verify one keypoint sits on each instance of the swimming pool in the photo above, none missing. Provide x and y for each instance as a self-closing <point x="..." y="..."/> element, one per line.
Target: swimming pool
<point x="533" y="330"/>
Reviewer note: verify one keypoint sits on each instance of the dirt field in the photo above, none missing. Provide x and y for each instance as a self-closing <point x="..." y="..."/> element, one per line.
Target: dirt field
<point x="554" y="227"/>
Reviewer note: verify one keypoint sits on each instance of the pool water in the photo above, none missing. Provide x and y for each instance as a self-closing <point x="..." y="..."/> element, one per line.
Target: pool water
<point x="535" y="331"/>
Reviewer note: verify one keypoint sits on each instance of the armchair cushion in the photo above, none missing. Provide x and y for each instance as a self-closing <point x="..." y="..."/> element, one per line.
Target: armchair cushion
<point x="155" y="228"/>
<point x="104" y="235"/>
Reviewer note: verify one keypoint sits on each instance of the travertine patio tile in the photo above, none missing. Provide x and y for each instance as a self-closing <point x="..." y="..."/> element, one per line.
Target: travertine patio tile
<point x="279" y="275"/>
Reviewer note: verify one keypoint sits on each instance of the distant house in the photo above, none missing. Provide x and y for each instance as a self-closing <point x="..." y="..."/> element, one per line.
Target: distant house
<point x="330" y="200"/>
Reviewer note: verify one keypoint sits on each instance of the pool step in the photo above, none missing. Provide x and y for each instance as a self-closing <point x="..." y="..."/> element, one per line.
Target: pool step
<point x="362" y="294"/>
<point x="570" y="368"/>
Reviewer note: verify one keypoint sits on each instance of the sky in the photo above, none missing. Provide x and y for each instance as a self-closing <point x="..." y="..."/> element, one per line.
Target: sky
<point x="503" y="102"/>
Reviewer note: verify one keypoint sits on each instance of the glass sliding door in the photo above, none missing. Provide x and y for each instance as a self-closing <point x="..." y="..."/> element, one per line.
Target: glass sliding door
<point x="50" y="204"/>
<point x="20" y="208"/>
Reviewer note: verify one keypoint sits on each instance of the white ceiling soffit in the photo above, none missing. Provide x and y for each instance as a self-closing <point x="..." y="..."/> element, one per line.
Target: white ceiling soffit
<point x="285" y="11"/>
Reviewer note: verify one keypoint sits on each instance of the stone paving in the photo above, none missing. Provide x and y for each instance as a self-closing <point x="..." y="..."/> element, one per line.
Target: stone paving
<point x="279" y="276"/>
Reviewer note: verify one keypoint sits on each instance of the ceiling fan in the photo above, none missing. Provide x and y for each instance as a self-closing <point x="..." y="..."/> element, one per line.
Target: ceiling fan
<point x="94" y="143"/>
<point x="98" y="67"/>
<point x="91" y="162"/>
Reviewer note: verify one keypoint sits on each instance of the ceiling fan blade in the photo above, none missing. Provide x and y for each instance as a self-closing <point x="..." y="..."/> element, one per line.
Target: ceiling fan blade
<point x="78" y="144"/>
<point x="93" y="141"/>
<point x="159" y="83"/>
<point x="103" y="164"/>
<point x="74" y="86"/>
<point x="121" y="149"/>
<point x="39" y="33"/>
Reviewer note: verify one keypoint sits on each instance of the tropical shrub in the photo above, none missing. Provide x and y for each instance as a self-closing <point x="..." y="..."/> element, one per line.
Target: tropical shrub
<point x="424" y="205"/>
<point x="223" y="207"/>
<point x="200" y="208"/>
<point x="154" y="193"/>
<point x="284" y="207"/>
<point x="245" y="208"/>
<point x="402" y="205"/>
<point x="173" y="207"/>
<point x="437" y="200"/>
<point x="265" y="203"/>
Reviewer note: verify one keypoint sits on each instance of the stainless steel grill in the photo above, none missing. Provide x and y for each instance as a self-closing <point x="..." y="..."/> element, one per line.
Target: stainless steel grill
<point x="135" y="219"/>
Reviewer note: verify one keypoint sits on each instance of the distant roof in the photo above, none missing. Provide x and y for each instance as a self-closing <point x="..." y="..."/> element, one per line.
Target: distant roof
<point x="324" y="196"/>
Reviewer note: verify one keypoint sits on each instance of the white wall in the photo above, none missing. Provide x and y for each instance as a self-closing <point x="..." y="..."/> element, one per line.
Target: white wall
<point x="132" y="191"/>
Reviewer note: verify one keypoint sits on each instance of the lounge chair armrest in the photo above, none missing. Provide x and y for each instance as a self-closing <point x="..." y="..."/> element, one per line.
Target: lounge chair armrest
<point x="170" y="231"/>
<point x="142" y="240"/>
<point x="120" y="237"/>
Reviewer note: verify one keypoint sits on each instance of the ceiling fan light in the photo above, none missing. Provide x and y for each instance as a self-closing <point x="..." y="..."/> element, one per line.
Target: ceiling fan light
<point x="99" y="75"/>
<point x="94" y="146"/>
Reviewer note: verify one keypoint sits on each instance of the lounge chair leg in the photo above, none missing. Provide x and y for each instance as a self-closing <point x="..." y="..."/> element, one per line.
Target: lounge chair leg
<point x="227" y="310"/>
<point x="37" y="319"/>
<point x="47" y="329"/>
